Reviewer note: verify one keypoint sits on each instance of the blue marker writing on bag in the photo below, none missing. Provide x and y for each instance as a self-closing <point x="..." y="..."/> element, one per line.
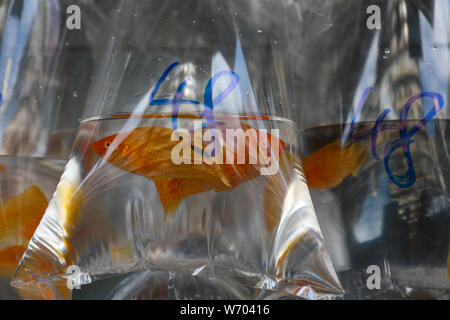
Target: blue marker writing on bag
<point x="209" y="101"/>
<point x="178" y="99"/>
<point x="405" y="137"/>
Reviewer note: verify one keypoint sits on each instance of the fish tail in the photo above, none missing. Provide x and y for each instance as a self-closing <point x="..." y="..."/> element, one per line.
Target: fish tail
<point x="359" y="157"/>
<point x="42" y="291"/>
<point x="9" y="258"/>
<point x="20" y="215"/>
<point x="34" y="208"/>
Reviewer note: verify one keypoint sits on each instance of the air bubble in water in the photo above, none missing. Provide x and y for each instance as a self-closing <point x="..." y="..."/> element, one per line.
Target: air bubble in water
<point x="387" y="51"/>
<point x="260" y="30"/>
<point x="75" y="94"/>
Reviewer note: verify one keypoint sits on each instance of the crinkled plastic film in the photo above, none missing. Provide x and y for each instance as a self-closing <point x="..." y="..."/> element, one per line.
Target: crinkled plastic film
<point x="176" y="286"/>
<point x="182" y="89"/>
<point x="38" y="123"/>
<point x="374" y="145"/>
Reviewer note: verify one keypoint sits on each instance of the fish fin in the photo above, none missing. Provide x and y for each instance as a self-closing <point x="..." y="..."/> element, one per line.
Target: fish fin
<point x="42" y="291"/>
<point x="169" y="200"/>
<point x="361" y="158"/>
<point x="329" y="165"/>
<point x="226" y="182"/>
<point x="36" y="203"/>
<point x="9" y="258"/>
<point x="173" y="190"/>
<point x="20" y="215"/>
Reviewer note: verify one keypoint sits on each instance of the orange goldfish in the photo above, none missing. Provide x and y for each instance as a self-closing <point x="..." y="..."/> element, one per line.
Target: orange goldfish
<point x="19" y="217"/>
<point x="146" y="151"/>
<point x="328" y="166"/>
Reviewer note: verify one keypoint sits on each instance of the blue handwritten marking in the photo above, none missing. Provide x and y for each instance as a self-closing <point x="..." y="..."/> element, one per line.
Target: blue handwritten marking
<point x="178" y="99"/>
<point x="177" y="103"/>
<point x="409" y="178"/>
<point x="209" y="102"/>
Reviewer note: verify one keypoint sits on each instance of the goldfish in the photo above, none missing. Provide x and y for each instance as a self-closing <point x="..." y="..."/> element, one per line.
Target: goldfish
<point x="19" y="217"/>
<point x="146" y="151"/>
<point x="328" y="166"/>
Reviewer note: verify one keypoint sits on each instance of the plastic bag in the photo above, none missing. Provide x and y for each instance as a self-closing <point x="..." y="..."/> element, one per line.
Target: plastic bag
<point x="150" y="285"/>
<point x="26" y="186"/>
<point x="38" y="123"/>
<point x="148" y="184"/>
<point x="374" y="130"/>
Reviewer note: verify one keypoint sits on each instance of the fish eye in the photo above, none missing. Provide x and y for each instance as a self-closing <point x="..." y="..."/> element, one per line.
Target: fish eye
<point x="107" y="144"/>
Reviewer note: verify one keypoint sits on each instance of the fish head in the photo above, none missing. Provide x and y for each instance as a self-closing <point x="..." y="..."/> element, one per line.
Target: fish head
<point x="102" y="146"/>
